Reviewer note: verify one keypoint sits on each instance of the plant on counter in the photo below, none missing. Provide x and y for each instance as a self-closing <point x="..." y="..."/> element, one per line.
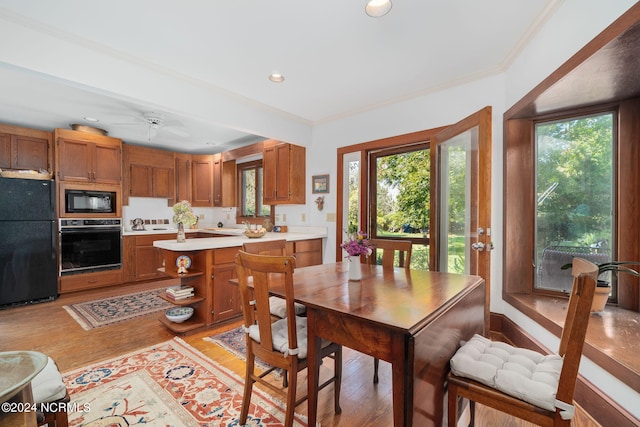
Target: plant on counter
<point x="603" y="287"/>
<point x="614" y="267"/>
<point x="183" y="214"/>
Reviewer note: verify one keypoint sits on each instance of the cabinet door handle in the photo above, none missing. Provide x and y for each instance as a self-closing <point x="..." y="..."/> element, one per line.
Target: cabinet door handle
<point x="213" y="276"/>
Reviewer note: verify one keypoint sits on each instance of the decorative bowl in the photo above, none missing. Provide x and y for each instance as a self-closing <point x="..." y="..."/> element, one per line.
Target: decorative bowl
<point x="255" y="234"/>
<point x="179" y="314"/>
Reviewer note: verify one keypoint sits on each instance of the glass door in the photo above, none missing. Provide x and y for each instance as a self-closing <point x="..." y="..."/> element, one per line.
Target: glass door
<point x="461" y="182"/>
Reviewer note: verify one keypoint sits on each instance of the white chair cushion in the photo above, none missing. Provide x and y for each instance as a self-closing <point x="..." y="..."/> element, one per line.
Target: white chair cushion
<point x="518" y="372"/>
<point x="278" y="307"/>
<point x="280" y="335"/>
<point x="48" y="386"/>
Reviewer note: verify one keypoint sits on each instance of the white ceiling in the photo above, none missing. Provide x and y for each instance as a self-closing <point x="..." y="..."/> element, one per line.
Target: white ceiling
<point x="203" y="64"/>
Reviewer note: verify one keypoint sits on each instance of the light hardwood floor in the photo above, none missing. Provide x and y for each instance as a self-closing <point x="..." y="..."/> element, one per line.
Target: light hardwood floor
<point x="47" y="327"/>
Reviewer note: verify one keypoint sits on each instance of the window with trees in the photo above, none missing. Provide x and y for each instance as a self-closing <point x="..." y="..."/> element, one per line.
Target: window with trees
<point x="574" y="195"/>
<point x="400" y="183"/>
<point x="250" y="207"/>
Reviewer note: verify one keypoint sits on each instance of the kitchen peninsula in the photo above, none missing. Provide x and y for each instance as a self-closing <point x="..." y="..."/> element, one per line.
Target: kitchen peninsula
<point x="212" y="265"/>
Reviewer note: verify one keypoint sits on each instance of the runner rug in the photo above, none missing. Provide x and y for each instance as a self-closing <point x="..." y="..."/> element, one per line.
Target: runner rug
<point x="169" y="384"/>
<point x="234" y="341"/>
<point x="102" y="312"/>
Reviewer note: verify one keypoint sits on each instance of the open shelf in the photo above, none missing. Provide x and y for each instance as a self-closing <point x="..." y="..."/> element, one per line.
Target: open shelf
<point x="192" y="273"/>
<point x="181" y="328"/>
<point x="185" y="301"/>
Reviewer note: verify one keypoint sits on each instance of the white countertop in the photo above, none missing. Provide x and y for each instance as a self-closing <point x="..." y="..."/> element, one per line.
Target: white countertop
<point x="201" y="243"/>
<point x="164" y="229"/>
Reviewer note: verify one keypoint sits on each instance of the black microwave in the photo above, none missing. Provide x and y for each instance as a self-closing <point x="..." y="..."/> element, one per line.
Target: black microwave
<point x="89" y="201"/>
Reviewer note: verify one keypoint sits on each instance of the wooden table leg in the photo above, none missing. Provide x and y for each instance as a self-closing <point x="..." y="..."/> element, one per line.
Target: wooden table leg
<point x="402" y="389"/>
<point x="313" y="367"/>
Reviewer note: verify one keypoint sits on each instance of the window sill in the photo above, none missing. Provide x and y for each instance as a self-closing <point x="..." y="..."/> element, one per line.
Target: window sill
<point x="613" y="337"/>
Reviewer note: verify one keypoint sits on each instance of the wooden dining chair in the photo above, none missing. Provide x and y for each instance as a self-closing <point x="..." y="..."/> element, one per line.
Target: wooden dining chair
<point x="281" y="344"/>
<point x="389" y="249"/>
<point x="277" y="305"/>
<point x="523" y="383"/>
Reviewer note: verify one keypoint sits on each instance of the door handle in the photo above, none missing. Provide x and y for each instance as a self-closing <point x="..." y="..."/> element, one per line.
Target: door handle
<point x="478" y="246"/>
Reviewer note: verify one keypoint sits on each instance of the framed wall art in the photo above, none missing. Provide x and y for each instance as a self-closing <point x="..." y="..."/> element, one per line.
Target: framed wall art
<point x="320" y="184"/>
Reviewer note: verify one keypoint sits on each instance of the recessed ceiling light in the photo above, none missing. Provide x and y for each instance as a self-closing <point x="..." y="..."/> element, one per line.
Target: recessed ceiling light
<point x="211" y="143"/>
<point x="377" y="8"/>
<point x="91" y="119"/>
<point x="276" y="77"/>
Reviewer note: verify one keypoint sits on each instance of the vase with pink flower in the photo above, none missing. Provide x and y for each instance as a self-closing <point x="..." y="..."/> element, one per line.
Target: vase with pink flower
<point x="356" y="245"/>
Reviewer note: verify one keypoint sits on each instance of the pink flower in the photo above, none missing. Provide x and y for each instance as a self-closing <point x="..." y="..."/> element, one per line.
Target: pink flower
<point x="357" y="244"/>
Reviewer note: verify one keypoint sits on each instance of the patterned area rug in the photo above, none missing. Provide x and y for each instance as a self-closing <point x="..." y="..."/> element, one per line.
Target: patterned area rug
<point x="170" y="384"/>
<point x="234" y="342"/>
<point x="102" y="312"/>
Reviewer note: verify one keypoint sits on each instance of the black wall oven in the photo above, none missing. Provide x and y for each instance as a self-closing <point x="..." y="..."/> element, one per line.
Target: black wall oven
<point x="89" y="245"/>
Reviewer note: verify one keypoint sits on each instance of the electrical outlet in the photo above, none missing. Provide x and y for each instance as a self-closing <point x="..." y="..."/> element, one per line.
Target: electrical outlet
<point x="228" y="216"/>
<point x="201" y="216"/>
<point x="303" y="217"/>
<point x="284" y="217"/>
<point x="277" y="218"/>
<point x="331" y="217"/>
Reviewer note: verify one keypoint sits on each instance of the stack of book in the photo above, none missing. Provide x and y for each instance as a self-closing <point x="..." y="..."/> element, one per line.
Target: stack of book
<point x="179" y="292"/>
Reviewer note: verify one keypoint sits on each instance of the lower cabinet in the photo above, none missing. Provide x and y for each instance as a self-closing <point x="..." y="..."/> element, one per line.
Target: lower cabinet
<point x="226" y="296"/>
<point x="81" y="282"/>
<point x="141" y="260"/>
<point x="307" y="252"/>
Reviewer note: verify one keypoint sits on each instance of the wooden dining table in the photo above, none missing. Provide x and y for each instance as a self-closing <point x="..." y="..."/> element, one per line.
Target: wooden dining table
<point x="413" y="319"/>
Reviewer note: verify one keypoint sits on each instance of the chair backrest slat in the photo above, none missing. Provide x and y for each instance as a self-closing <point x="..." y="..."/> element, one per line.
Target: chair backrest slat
<point x="266" y="247"/>
<point x="389" y="248"/>
<point x="585" y="275"/>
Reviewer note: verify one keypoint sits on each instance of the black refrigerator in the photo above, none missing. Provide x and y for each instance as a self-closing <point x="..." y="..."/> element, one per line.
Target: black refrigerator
<point x="28" y="267"/>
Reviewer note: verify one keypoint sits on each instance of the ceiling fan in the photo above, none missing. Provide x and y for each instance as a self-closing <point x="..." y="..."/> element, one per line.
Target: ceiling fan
<point x="155" y="122"/>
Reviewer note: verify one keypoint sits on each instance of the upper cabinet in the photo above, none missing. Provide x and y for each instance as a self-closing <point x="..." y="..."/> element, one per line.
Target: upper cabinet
<point x="205" y="180"/>
<point x="284" y="170"/>
<point x="148" y="172"/>
<point x="24" y="148"/>
<point x="182" y="171"/>
<point x="88" y="158"/>
<point x="224" y="181"/>
<point x="202" y="180"/>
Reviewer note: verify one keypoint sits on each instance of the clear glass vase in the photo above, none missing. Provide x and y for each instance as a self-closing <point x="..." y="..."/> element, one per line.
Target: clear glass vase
<point x="181" y="237"/>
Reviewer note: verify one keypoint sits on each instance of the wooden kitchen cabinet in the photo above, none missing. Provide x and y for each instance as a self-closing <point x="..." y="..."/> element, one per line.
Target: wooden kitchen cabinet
<point x="85" y="281"/>
<point x="150" y="181"/>
<point x="284" y="173"/>
<point x="25" y="149"/>
<point x="202" y="180"/>
<point x="88" y="158"/>
<point x="148" y="172"/>
<point x="307" y="252"/>
<point x="226" y="296"/>
<point x="182" y="171"/>
<point x="141" y="260"/>
<point x="224" y="181"/>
